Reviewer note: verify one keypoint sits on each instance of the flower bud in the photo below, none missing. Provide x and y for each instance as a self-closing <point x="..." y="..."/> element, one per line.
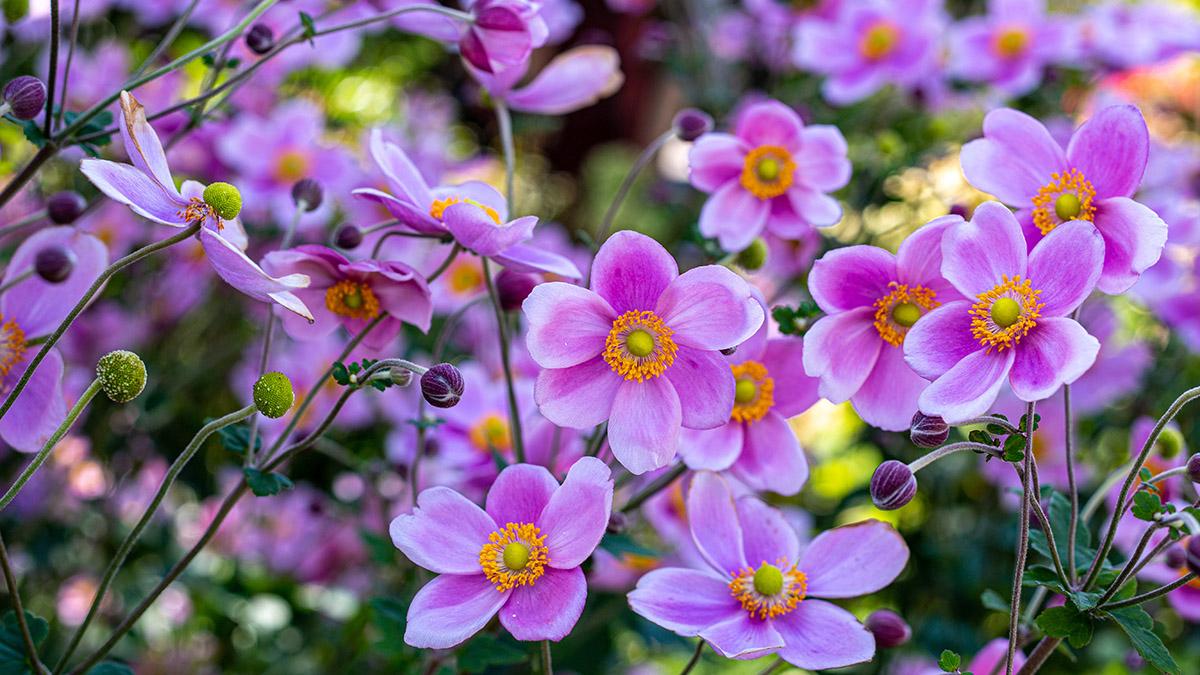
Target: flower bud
<point x="893" y="485"/>
<point x="754" y="256"/>
<point x="273" y="394"/>
<point x="64" y="207"/>
<point x="1192" y="548"/>
<point x="513" y="287"/>
<point x="307" y="194"/>
<point x="54" y="263"/>
<point x="260" y="39"/>
<point x="122" y="375"/>
<point x="1169" y="443"/>
<point x="224" y="199"/>
<point x="442" y="386"/>
<point x="1193" y="468"/>
<point x="888" y="628"/>
<point x="348" y="237"/>
<point x="1175" y="557"/>
<point x="14" y="10"/>
<point x="690" y="124"/>
<point x="401" y="377"/>
<point x="960" y="210"/>
<point x="928" y="431"/>
<point x="25" y="96"/>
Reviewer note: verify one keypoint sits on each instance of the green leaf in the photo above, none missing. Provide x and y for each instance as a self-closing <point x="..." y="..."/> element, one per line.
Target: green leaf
<point x="996" y="430"/>
<point x="236" y="437"/>
<point x="1146" y="505"/>
<point x="993" y="601"/>
<point x="981" y="436"/>
<point x="110" y="668"/>
<point x="1066" y="622"/>
<point x="429" y="423"/>
<point x="486" y="651"/>
<point x="266" y="484"/>
<point x="623" y="544"/>
<point x="13" y="658"/>
<point x="949" y="661"/>
<point x="1138" y="625"/>
<point x="381" y="549"/>
<point x="310" y="28"/>
<point x="33" y="132"/>
<point x="340" y="374"/>
<point x="1145" y="474"/>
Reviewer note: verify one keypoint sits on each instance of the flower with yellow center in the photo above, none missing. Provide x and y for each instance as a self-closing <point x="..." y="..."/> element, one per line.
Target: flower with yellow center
<point x="897" y="311"/>
<point x="879" y="40"/>
<point x="639" y="346"/>
<point x="754" y="393"/>
<point x="438" y="208"/>
<point x="464" y="276"/>
<point x="198" y="211"/>
<point x="353" y="299"/>
<point x="291" y="166"/>
<point x="771" y="590"/>
<point x="515" y="555"/>
<point x="1068" y="196"/>
<point x="1011" y="42"/>
<point x="491" y="433"/>
<point x="767" y="171"/>
<point x="1005" y="314"/>
<point x="12" y="346"/>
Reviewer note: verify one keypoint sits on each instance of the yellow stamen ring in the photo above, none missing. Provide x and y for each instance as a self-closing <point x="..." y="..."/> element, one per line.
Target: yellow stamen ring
<point x="1068" y="196"/>
<point x="514" y="556"/>
<point x="491" y="433"/>
<point x="439" y="207"/>
<point x="12" y="346"/>
<point x="767" y="171"/>
<point x="198" y="211"/>
<point x="352" y="299"/>
<point x="639" y="346"/>
<point x="753" y="589"/>
<point x="1011" y="42"/>
<point x="897" y="311"/>
<point x="755" y="393"/>
<point x="879" y="40"/>
<point x="1005" y="314"/>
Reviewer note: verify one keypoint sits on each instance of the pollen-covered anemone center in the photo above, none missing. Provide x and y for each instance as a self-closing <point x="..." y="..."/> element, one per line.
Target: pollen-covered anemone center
<point x="1011" y="42"/>
<point x="438" y="208"/>
<point x="771" y="590"/>
<point x="767" y="171"/>
<point x="879" y="40"/>
<point x="464" y="276"/>
<point x="352" y="299"/>
<point x="515" y="555"/>
<point x="12" y="345"/>
<point x="897" y="311"/>
<point x="1068" y="196"/>
<point x="197" y="211"/>
<point x="1002" y="316"/>
<point x="754" y="393"/>
<point x="639" y="346"/>
<point x="491" y="433"/>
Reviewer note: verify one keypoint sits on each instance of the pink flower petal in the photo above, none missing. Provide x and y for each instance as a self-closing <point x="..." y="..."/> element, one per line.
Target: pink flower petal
<point x="575" y="518"/>
<point x="919" y="259"/>
<point x="1056" y="352"/>
<point x="528" y="258"/>
<point x="37" y="305"/>
<point x="820" y="635"/>
<point x="475" y="230"/>
<point x="1014" y="159"/>
<point x="643" y="430"/>
<point x="39" y="409"/>
<point x="795" y="391"/>
<point x="1065" y="266"/>
<point x="548" y="609"/>
<point x="815" y="208"/>
<point x="853" y="560"/>
<point x="400" y="171"/>
<point x="770" y="123"/>
<point x="705" y="387"/>
<point x="580" y="396"/>
<point x="713" y="520"/>
<point x="767" y="536"/>
<point x="742" y="637"/>
<point x="1111" y="149"/>
<point x="977" y="253"/>
<point x="734" y="216"/>
<point x="841" y="349"/>
<point x="684" y="601"/>
<point x="444" y="533"/>
<point x="822" y="163"/>
<point x="450" y="609"/>
<point x="567" y="324"/>
<point x="127" y="184"/>
<point x="716" y="159"/>
<point x="940" y="339"/>
<point x="772" y="458"/>
<point x="519" y="494"/>
<point x="575" y="79"/>
<point x="1134" y="237"/>
<point x="631" y="270"/>
<point x="969" y="388"/>
<point x="142" y="146"/>
<point x="709" y="308"/>
<point x="888" y="397"/>
<point x="711" y="449"/>
<point x="851" y="277"/>
<point x="239" y="271"/>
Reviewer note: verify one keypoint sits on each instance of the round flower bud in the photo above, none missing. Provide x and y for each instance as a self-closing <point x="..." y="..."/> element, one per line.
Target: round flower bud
<point x="690" y="124"/>
<point x="893" y="485"/>
<point x="122" y="375"/>
<point x="1192" y="548"/>
<point x="928" y="431"/>
<point x="14" y="10"/>
<point x="1193" y="468"/>
<point x="401" y="377"/>
<point x="273" y="395"/>
<point x="64" y="207"/>
<point x="1169" y="443"/>
<point x="307" y="194"/>
<point x="888" y="628"/>
<point x="348" y="237"/>
<point x="754" y="256"/>
<point x="1175" y="557"/>
<point x="25" y="96"/>
<point x="224" y="199"/>
<point x="442" y="386"/>
<point x="514" y="287"/>
<point x="260" y="39"/>
<point x="54" y="263"/>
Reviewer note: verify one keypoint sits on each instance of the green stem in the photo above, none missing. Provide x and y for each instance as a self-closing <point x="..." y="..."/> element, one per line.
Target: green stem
<point x="927" y="459"/>
<point x="655" y="487"/>
<point x="1014" y="617"/>
<point x="1073" y="527"/>
<point x="1037" y="658"/>
<point x="1152" y="593"/>
<point x="514" y="412"/>
<point x="547" y="667"/>
<point x="454" y="251"/>
<point x="172" y="33"/>
<point x="62" y="97"/>
<point x="639" y="164"/>
<point x="19" y="610"/>
<point x="52" y="76"/>
<point x="695" y="658"/>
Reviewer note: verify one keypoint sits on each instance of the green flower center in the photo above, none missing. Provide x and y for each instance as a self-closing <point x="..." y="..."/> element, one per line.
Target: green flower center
<point x="768" y="580"/>
<point x="745" y="392"/>
<point x="1005" y="312"/>
<point x="906" y="314"/>
<point x="516" y="556"/>
<point x="768" y="168"/>
<point x="1067" y="206"/>
<point x="639" y="343"/>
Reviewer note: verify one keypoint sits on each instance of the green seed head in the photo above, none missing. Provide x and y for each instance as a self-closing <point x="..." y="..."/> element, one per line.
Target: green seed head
<point x="122" y="375"/>
<point x="1169" y="443"/>
<point x="1067" y="206"/>
<point x="1005" y="312"/>
<point x="224" y="199"/>
<point x="745" y="392"/>
<point x="273" y="395"/>
<point x="768" y="580"/>
<point x="754" y="256"/>
<point x="768" y="169"/>
<point x="906" y="314"/>
<point x="639" y="343"/>
<point x="516" y="556"/>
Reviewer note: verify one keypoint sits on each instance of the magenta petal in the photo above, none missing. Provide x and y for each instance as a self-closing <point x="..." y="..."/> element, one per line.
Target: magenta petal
<point x="940" y="339"/>
<point x="815" y="208"/>
<point x="142" y="145"/>
<point x="994" y="656"/>
<point x="851" y="277"/>
<point x="978" y="253"/>
<point x="711" y="449"/>
<point x="400" y="171"/>
<point x="1056" y="352"/>
<point x="888" y="398"/>
<point x="444" y="533"/>
<point x="519" y="494"/>
<point x="795" y="391"/>
<point x="127" y="184"/>
<point x="323" y="322"/>
<point x="549" y="608"/>
<point x="1014" y="159"/>
<point x="38" y="306"/>
<point x="853" y="560"/>
<point x="403" y="293"/>
<point x="716" y="159"/>
<point x="841" y="350"/>
<point x="772" y="458"/>
<point x="574" y="520"/>
<point x="1065" y="265"/>
<point x="822" y="163"/>
<point x="713" y="520"/>
<point x="498" y="39"/>
<point x="709" y="308"/>
<point x="919" y="259"/>
<point x="631" y="270"/>
<point x="232" y="265"/>
<point x="414" y="218"/>
<point x="1133" y="241"/>
<point x="684" y="601"/>
<point x="575" y="79"/>
<point x="643" y="430"/>
<point x="969" y="388"/>
<point x="39" y="409"/>
<point x="742" y="637"/>
<point x="705" y="387"/>
<point x="450" y="609"/>
<point x="526" y="258"/>
<point x="770" y="123"/>
<point x="319" y="263"/>
<point x="1111" y="149"/>
<point x="567" y="324"/>
<point x="734" y="216"/>
<point x="766" y="535"/>
<point x="820" y="635"/>
<point x="579" y="396"/>
<point x="475" y="230"/>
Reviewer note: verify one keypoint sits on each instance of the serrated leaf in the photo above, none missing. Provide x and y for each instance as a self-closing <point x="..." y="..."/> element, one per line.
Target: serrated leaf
<point x="1146" y="505"/>
<point x="429" y="423"/>
<point x="1014" y="448"/>
<point x="1138" y="625"/>
<point x="486" y="651"/>
<point x="310" y="28"/>
<point x="992" y="600"/>
<point x="236" y="437"/>
<point x="266" y="484"/>
<point x="980" y="436"/>
<point x="948" y="661"/>
<point x="340" y="374"/>
<point x="1066" y="622"/>
<point x="1145" y="474"/>
<point x="13" y="658"/>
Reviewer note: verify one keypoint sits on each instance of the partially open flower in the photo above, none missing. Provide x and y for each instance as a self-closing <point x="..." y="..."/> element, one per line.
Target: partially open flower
<point x="1193" y="468"/>
<point x="889" y="629"/>
<point x="928" y="431"/>
<point x="122" y="375"/>
<point x="893" y="485"/>
<point x="25" y="96"/>
<point x="442" y="386"/>
<point x="273" y="394"/>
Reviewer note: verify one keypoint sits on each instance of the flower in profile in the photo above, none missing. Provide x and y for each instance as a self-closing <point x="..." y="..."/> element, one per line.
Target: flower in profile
<point x="352" y="294"/>
<point x="759" y="594"/>
<point x="1093" y="180"/>
<point x="1015" y="324"/>
<point x="640" y="349"/>
<point x="146" y="187"/>
<point x="872" y="300"/>
<point x="519" y="556"/>
<point x="575" y="79"/>
<point x="474" y="214"/>
<point x="1011" y="45"/>
<point x="771" y="174"/>
<point x="502" y="34"/>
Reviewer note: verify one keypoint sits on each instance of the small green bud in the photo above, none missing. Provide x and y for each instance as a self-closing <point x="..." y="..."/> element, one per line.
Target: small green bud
<point x="122" y="375"/>
<point x="273" y="395"/>
<point x="754" y="256"/>
<point x="15" y="10"/>
<point x="768" y="580"/>
<point x="224" y="199"/>
<point x="1169" y="443"/>
<point x="1005" y="312"/>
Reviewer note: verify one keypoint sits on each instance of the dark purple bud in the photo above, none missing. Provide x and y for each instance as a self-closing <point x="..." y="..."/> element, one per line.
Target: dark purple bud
<point x="1193" y="553"/>
<point x="26" y="96"/>
<point x="307" y="194"/>
<point x="893" y="485"/>
<point x="888" y="628"/>
<point x="54" y="264"/>
<point x="348" y="237"/>
<point x="928" y="431"/>
<point x="1193" y="468"/>
<point x="1175" y="557"/>
<point x="690" y="124"/>
<point x="260" y="39"/>
<point x="442" y="386"/>
<point x="959" y="210"/>
<point x="513" y="287"/>
<point x="64" y="207"/>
